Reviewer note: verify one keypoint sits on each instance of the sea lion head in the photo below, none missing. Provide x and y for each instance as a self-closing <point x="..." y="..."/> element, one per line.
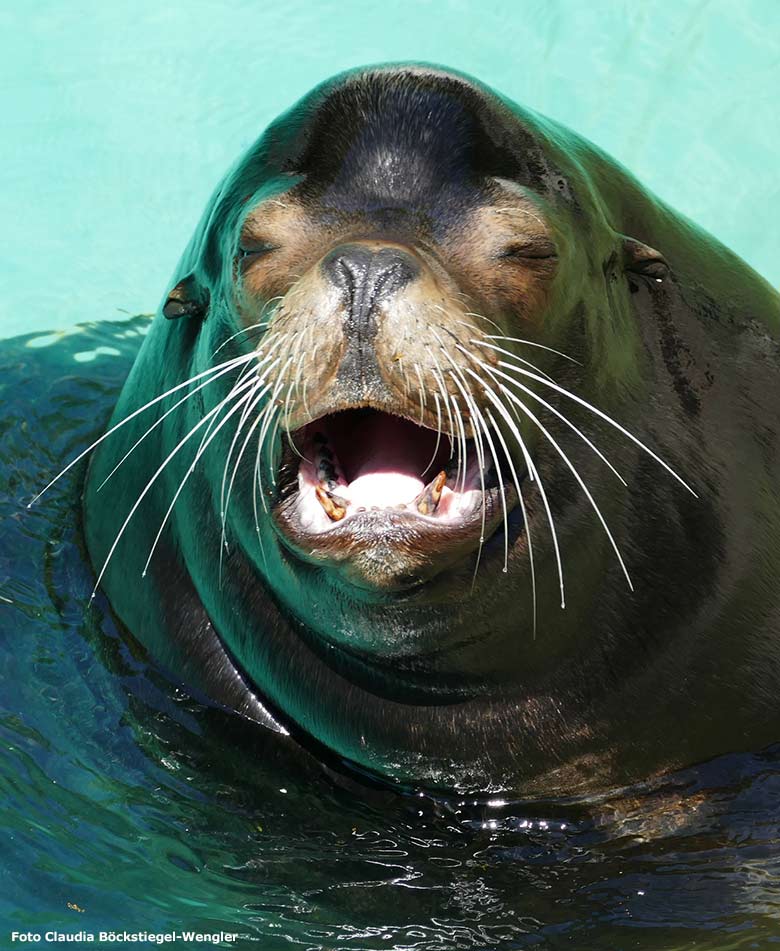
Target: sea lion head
<point x="415" y="315"/>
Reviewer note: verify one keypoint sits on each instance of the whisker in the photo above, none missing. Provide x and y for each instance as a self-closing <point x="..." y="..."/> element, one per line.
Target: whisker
<point x="526" y="523"/>
<point x="260" y="416"/>
<point x="268" y="415"/>
<point x="499" y="475"/>
<point x="463" y="459"/>
<point x="295" y="384"/>
<point x="532" y="470"/>
<point x="471" y="313"/>
<point x="270" y="411"/>
<point x="229" y="398"/>
<point x="167" y="413"/>
<point x="261" y="378"/>
<point x="439" y="377"/>
<point x="216" y="372"/>
<point x="236" y="406"/>
<point x="557" y="413"/>
<point x="594" y="410"/>
<point x="244" y="330"/>
<point x="475" y="414"/>
<point x="422" y="392"/>
<point x="529" y="343"/>
<point x="576" y="475"/>
<point x="247" y="410"/>
<point x="438" y="435"/>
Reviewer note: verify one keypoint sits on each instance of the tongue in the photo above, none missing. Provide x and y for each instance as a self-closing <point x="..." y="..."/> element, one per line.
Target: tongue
<point x="384" y="488"/>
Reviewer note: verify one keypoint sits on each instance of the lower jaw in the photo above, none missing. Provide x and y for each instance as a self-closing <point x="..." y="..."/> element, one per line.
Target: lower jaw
<point x="383" y="554"/>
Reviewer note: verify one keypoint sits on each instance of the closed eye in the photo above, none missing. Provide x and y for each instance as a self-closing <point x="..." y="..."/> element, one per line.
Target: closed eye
<point x="254" y="250"/>
<point x="538" y="249"/>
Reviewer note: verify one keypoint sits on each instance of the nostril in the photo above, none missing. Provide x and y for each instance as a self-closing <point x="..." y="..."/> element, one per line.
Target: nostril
<point x="344" y="275"/>
<point x="346" y="266"/>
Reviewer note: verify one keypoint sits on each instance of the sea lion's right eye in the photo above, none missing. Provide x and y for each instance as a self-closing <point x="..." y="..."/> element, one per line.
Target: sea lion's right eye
<point x="249" y="251"/>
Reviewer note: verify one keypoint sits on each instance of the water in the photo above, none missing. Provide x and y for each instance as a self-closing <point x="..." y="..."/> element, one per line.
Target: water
<point x="124" y="803"/>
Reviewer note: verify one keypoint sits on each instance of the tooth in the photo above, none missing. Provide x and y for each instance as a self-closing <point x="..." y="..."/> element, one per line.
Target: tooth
<point x="428" y="500"/>
<point x="335" y="507"/>
<point x="438" y="485"/>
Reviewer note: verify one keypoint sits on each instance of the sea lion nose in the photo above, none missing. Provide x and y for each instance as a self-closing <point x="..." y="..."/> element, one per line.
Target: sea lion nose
<point x="366" y="275"/>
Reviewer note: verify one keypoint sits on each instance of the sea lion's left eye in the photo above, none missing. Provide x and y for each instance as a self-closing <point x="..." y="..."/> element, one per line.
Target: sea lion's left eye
<point x="530" y="249"/>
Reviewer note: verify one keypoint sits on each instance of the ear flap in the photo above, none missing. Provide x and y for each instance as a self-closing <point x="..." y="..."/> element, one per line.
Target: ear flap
<point x="639" y="258"/>
<point x="187" y="299"/>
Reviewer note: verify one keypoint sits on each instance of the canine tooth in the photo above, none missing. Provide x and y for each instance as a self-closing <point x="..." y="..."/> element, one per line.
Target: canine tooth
<point x="335" y="507"/>
<point x="428" y="500"/>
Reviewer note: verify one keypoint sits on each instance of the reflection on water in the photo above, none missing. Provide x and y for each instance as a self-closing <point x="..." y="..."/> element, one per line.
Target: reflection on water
<point x="123" y="796"/>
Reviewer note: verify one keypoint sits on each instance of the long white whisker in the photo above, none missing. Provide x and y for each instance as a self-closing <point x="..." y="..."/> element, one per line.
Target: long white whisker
<point x="222" y="367"/>
<point x="576" y="475"/>
<point x="201" y="449"/>
<point x="229" y="398"/>
<point x="471" y="313"/>
<point x="499" y="475"/>
<point x="462" y="448"/>
<point x="247" y="410"/>
<point x="529" y="343"/>
<point x="167" y="413"/>
<point x="475" y="416"/>
<point x="279" y="383"/>
<point x="422" y="392"/>
<point x="261" y="377"/>
<point x="557" y="413"/>
<point x="438" y="434"/>
<point x="268" y="415"/>
<point x="244" y="330"/>
<point x="524" y="512"/>
<point x="593" y="409"/>
<point x="158" y="422"/>
<point x="439" y="377"/>
<point x="532" y="470"/>
<point x="226" y="506"/>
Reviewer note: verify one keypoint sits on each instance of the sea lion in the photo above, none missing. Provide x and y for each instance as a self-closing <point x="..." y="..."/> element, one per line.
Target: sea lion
<point x="431" y="368"/>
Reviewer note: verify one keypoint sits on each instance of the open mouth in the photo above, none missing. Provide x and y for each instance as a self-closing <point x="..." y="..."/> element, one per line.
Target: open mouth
<point x="363" y="462"/>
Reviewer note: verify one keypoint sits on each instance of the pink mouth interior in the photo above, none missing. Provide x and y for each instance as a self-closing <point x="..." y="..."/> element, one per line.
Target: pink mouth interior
<point x="384" y="460"/>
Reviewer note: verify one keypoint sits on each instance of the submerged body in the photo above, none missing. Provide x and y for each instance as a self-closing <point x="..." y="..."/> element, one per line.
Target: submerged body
<point x="451" y="367"/>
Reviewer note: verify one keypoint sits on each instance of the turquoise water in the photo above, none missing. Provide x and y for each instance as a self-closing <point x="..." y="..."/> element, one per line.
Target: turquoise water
<point x="123" y="802"/>
<point x="119" y="118"/>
